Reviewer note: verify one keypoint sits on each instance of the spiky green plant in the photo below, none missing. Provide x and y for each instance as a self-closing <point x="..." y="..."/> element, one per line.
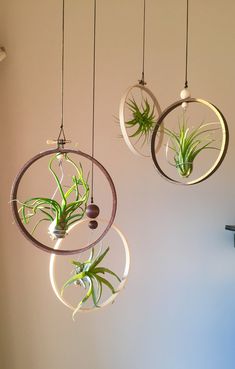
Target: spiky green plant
<point x="143" y="119"/>
<point x="61" y="215"/>
<point x="187" y="144"/>
<point x="88" y="275"/>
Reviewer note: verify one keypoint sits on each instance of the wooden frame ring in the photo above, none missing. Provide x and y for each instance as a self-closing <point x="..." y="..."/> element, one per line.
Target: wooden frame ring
<point x="17" y="218"/>
<point x="122" y="284"/>
<point x="223" y="149"/>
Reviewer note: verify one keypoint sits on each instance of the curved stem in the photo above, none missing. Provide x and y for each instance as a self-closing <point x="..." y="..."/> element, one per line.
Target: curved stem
<point x="57" y="181"/>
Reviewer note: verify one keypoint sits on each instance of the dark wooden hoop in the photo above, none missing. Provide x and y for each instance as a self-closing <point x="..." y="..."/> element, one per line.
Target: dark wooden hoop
<point x="15" y="208"/>
<point x="223" y="149"/>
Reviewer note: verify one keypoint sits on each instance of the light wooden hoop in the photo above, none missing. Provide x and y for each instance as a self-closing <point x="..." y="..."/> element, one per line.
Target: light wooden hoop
<point x="14" y="198"/>
<point x="122" y="118"/>
<point x="112" y="298"/>
<point x="224" y="144"/>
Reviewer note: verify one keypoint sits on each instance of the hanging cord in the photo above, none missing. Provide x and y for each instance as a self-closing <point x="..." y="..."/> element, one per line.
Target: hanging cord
<point x="93" y="104"/>
<point x="186" y="47"/>
<point x="142" y="80"/>
<point x="61" y="140"/>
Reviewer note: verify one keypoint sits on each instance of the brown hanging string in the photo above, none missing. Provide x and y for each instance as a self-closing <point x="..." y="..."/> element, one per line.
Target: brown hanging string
<point x="142" y="80"/>
<point x="93" y="104"/>
<point x="61" y="140"/>
<point x="186" y="47"/>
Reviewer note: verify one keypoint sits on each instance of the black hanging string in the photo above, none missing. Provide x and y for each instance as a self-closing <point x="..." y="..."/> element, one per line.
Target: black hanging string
<point x="93" y="104"/>
<point x="142" y="80"/>
<point x="186" y="47"/>
<point x="61" y="140"/>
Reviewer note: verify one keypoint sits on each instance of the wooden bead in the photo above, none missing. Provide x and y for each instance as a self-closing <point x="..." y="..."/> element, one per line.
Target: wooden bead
<point x="185" y="93"/>
<point x="92" y="211"/>
<point x="184" y="105"/>
<point x="93" y="224"/>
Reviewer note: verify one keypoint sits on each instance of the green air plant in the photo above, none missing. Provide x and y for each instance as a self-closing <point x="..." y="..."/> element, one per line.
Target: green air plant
<point x="61" y="215"/>
<point x="187" y="144"/>
<point x="143" y="119"/>
<point x="87" y="274"/>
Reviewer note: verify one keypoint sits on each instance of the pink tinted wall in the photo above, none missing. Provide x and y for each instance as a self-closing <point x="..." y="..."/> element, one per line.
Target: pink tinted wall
<point x="177" y="311"/>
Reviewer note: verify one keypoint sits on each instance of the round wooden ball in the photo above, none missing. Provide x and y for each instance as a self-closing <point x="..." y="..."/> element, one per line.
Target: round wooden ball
<point x="92" y="211"/>
<point x="93" y="224"/>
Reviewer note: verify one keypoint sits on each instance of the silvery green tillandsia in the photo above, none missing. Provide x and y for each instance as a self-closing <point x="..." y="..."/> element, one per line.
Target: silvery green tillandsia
<point x="143" y="118"/>
<point x="88" y="274"/>
<point x="187" y="144"/>
<point x="60" y="215"/>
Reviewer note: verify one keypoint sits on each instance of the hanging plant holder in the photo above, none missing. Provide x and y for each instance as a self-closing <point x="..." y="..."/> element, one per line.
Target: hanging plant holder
<point x="138" y="113"/>
<point x="81" y="307"/>
<point x="73" y="204"/>
<point x="59" y="229"/>
<point x="193" y="147"/>
<point x="186" y="144"/>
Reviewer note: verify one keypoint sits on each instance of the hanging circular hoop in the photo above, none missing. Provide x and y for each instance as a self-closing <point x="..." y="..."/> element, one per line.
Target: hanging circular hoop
<point x="223" y="149"/>
<point x="15" y="208"/>
<point x="122" y="118"/>
<point x="119" y="288"/>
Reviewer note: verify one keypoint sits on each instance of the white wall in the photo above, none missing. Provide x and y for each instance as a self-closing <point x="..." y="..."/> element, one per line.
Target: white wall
<point x="177" y="311"/>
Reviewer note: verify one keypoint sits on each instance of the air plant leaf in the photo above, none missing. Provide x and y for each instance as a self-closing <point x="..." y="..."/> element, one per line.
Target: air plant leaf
<point x="106" y="270"/>
<point x="187" y="145"/>
<point x="91" y="254"/>
<point x="100" y="290"/>
<point x="87" y="275"/>
<point x="61" y="215"/>
<point x="143" y="118"/>
<point x="77" y="263"/>
<point x="107" y="283"/>
<point x="63" y="203"/>
<point x="89" y="293"/>
<point x="99" y="258"/>
<point x="94" y="293"/>
<point x="73" y="279"/>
